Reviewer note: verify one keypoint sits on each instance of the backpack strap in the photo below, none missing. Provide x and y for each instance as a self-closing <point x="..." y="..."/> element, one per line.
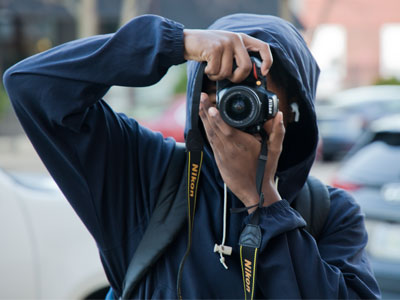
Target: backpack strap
<point x="313" y="203"/>
<point x="168" y="217"/>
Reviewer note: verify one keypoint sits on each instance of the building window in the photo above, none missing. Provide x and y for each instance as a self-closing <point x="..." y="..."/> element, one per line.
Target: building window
<point x="328" y="46"/>
<point x="389" y="50"/>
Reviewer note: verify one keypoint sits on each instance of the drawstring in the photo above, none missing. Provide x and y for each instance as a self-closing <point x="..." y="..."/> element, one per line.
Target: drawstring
<point x="227" y="250"/>
<point x="222" y="249"/>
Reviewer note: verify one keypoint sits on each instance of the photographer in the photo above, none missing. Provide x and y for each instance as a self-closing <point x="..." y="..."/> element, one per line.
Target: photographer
<point x="110" y="168"/>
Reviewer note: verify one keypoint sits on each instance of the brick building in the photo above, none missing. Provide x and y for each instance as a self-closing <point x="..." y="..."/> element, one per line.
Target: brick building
<point x="355" y="41"/>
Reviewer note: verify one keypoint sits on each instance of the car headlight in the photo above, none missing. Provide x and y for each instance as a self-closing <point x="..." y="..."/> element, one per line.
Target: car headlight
<point x="391" y="192"/>
<point x="384" y="240"/>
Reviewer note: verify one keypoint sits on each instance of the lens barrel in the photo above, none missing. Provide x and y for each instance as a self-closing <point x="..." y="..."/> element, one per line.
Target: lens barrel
<point x="239" y="106"/>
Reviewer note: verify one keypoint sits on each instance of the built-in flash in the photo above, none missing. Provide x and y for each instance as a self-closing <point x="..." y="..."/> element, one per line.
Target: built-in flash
<point x="258" y="82"/>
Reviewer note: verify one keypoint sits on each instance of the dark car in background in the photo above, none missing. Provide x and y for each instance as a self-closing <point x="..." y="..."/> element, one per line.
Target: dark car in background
<point x="344" y="116"/>
<point x="371" y="172"/>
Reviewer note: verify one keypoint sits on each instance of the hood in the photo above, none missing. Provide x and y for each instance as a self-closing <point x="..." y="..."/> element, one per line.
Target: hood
<point x="291" y="53"/>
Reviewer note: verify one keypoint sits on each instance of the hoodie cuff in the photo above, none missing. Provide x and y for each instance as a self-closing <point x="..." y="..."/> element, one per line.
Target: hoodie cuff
<point x="276" y="219"/>
<point x="174" y="39"/>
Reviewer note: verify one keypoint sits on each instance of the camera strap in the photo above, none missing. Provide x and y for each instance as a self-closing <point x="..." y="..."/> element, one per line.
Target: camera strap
<point x="194" y="148"/>
<point x="250" y="238"/>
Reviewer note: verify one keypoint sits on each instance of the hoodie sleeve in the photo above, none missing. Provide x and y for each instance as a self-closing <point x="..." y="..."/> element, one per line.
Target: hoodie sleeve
<point x="335" y="267"/>
<point x="106" y="164"/>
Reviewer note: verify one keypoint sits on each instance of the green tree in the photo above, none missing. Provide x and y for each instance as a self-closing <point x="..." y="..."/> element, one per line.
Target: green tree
<point x="4" y="102"/>
<point x="180" y="86"/>
<point x="388" y="81"/>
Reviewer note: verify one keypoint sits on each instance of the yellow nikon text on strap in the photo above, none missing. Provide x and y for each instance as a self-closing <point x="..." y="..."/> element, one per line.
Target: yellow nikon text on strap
<point x="194" y="175"/>
<point x="250" y="241"/>
<point x="195" y="161"/>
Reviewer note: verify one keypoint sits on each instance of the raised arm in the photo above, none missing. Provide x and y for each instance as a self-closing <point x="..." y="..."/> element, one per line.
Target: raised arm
<point x="103" y="161"/>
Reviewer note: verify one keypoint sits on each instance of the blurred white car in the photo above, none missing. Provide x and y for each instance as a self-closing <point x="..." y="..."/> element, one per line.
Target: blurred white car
<point x="46" y="252"/>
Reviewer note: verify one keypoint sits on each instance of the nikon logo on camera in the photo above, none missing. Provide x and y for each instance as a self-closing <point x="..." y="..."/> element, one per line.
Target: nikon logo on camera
<point x="193" y="177"/>
<point x="270" y="107"/>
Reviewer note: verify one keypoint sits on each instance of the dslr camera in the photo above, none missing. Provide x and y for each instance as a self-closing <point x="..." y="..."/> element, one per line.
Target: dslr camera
<point x="247" y="105"/>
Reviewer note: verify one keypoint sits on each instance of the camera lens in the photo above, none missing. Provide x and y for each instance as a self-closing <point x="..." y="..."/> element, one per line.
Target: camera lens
<point x="238" y="107"/>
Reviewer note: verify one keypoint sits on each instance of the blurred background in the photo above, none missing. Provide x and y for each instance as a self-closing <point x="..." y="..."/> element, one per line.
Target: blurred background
<point x="357" y="46"/>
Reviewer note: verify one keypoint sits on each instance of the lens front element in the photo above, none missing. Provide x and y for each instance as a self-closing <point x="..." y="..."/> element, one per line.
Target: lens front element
<point x="239" y="106"/>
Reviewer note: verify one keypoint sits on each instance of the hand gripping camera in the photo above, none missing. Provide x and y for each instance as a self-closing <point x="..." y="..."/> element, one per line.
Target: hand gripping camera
<point x="248" y="105"/>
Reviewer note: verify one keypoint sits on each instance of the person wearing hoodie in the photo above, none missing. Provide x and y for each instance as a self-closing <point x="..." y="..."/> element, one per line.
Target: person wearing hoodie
<point x="110" y="168"/>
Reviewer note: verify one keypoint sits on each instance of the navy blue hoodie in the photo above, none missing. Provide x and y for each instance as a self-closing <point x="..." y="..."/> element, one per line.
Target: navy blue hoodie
<point x="110" y="167"/>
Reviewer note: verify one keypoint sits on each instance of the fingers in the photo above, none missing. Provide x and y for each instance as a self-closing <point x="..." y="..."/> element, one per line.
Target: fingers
<point x="256" y="45"/>
<point x="215" y="123"/>
<point x="220" y="48"/>
<point x="229" y="144"/>
<point x="220" y="135"/>
<point x="276" y="131"/>
<point x="216" y="120"/>
<point x="227" y="48"/>
<point x="220" y="68"/>
<point x="243" y="61"/>
<point x="212" y="136"/>
<point x="213" y="68"/>
<point x="236" y="46"/>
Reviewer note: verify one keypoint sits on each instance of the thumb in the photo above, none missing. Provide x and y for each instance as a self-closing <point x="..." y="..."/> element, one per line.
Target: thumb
<point x="276" y="131"/>
<point x="272" y="124"/>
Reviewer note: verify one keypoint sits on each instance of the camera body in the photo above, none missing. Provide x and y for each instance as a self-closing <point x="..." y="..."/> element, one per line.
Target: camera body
<point x="248" y="105"/>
